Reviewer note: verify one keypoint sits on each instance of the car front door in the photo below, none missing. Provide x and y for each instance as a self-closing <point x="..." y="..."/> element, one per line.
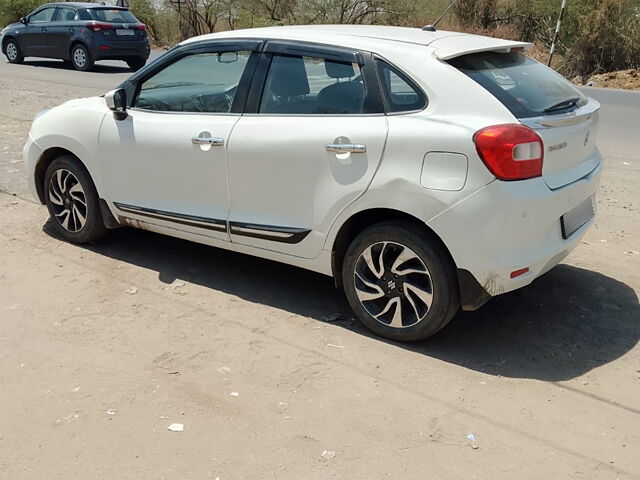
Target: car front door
<point x="309" y="149"/>
<point x="35" y="39"/>
<point x="166" y="162"/>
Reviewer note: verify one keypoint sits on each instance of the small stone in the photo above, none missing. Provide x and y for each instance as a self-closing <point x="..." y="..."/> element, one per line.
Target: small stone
<point x="329" y="454"/>
<point x="132" y="290"/>
<point x="176" y="427"/>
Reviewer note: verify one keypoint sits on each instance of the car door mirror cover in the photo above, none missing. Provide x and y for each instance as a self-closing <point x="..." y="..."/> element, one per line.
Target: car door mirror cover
<point x="24" y="20"/>
<point x="116" y="101"/>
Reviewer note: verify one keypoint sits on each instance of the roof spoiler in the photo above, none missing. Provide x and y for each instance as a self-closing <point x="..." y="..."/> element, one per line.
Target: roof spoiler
<point x="447" y="48"/>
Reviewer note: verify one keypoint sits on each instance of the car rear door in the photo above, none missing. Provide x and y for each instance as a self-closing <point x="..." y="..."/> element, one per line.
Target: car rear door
<point x="307" y="146"/>
<point x="166" y="163"/>
<point x="62" y="29"/>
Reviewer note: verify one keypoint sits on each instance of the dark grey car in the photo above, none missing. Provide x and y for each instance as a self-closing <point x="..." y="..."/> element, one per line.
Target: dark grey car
<point x="78" y="33"/>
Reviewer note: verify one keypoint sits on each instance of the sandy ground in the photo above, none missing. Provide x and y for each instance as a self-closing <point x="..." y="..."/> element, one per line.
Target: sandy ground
<point x="265" y="368"/>
<point x="626" y="79"/>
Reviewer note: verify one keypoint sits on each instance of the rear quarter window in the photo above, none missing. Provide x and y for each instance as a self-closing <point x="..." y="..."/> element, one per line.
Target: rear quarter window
<point x="527" y="88"/>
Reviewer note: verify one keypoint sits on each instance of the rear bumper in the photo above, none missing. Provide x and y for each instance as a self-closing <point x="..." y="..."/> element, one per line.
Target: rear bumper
<point x="508" y="226"/>
<point x="121" y="50"/>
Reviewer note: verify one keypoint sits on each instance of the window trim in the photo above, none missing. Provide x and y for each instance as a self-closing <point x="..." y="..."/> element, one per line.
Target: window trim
<point x="405" y="77"/>
<point x="134" y="84"/>
<point x="372" y="106"/>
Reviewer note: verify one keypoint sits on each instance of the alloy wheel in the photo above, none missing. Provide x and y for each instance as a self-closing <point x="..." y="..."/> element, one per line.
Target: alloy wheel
<point x="393" y="284"/>
<point x="68" y="200"/>
<point x="79" y="57"/>
<point x="12" y="51"/>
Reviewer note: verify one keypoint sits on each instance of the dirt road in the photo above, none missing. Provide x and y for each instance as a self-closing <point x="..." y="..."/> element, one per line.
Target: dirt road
<point x="103" y="347"/>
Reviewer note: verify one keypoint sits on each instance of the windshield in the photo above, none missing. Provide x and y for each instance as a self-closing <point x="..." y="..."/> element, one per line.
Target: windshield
<point x="527" y="88"/>
<point x="112" y="15"/>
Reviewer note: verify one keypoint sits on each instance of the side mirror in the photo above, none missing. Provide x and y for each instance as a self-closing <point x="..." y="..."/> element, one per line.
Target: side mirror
<point x="228" y="57"/>
<point x="116" y="101"/>
<point x="24" y="20"/>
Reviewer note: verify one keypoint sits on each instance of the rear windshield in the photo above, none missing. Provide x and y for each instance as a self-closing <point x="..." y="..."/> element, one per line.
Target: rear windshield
<point x="112" y="15"/>
<point x="527" y="88"/>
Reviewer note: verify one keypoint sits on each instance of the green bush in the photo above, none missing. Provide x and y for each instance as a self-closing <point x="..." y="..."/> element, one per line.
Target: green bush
<point x="12" y="10"/>
<point x="607" y="39"/>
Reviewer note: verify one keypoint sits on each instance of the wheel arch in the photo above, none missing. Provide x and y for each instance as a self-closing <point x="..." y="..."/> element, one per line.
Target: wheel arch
<point x="367" y="218"/>
<point x="75" y="42"/>
<point x="5" y="40"/>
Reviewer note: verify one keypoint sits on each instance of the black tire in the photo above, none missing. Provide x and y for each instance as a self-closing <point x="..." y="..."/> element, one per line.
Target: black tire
<point x="59" y="198"/>
<point x="136" y="64"/>
<point x="81" y="58"/>
<point x="429" y="267"/>
<point x="13" y="52"/>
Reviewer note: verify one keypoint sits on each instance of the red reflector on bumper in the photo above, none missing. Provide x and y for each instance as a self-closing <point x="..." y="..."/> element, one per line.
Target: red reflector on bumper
<point x="517" y="273"/>
<point x="103" y="47"/>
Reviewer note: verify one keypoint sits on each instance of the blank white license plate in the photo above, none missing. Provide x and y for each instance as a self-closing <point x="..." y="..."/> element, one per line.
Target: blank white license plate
<point x="577" y="217"/>
<point x="124" y="32"/>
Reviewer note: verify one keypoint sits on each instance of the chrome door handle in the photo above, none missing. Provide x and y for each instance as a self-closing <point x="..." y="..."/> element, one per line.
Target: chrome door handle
<point x="215" y="141"/>
<point x="345" y="148"/>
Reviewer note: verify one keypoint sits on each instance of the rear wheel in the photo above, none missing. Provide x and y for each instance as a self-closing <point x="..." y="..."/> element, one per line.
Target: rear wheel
<point x="136" y="64"/>
<point x="399" y="282"/>
<point x="72" y="201"/>
<point x="81" y="59"/>
<point x="13" y="52"/>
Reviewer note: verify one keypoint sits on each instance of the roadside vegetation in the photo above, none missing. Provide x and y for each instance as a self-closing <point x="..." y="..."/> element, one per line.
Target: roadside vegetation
<point x="597" y="36"/>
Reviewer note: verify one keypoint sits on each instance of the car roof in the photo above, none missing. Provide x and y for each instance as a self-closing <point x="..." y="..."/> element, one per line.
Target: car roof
<point x="328" y="33"/>
<point x="82" y="5"/>
<point x="445" y="43"/>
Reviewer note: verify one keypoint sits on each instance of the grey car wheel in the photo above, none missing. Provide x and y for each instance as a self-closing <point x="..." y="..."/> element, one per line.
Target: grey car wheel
<point x="81" y="58"/>
<point x="13" y="53"/>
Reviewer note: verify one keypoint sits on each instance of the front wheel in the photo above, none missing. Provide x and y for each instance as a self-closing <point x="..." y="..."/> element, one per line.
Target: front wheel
<point x="81" y="59"/>
<point x="399" y="282"/>
<point x="13" y="52"/>
<point x="136" y="64"/>
<point x="72" y="201"/>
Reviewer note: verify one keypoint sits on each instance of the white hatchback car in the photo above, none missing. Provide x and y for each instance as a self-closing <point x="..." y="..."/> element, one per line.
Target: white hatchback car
<point x="425" y="171"/>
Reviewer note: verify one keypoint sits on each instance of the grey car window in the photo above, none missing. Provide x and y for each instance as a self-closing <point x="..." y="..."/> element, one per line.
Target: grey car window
<point x="203" y="82"/>
<point x="65" y="14"/>
<point x="44" y="15"/>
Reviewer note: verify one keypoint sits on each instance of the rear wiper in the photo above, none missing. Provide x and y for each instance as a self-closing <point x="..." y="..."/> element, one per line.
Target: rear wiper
<point x="569" y="102"/>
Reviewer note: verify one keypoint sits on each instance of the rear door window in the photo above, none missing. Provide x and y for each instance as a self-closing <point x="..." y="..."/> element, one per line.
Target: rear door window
<point x="112" y="15"/>
<point x="399" y="92"/>
<point x="312" y="85"/>
<point x="65" y="14"/>
<point x="527" y="88"/>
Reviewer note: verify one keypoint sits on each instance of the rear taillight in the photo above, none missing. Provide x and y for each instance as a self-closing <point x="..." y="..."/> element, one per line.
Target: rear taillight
<point x="510" y="152"/>
<point x="97" y="26"/>
<point x="141" y="26"/>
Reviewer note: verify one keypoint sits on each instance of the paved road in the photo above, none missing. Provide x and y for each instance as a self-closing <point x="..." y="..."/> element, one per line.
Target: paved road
<point x="619" y="121"/>
<point x="92" y="371"/>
